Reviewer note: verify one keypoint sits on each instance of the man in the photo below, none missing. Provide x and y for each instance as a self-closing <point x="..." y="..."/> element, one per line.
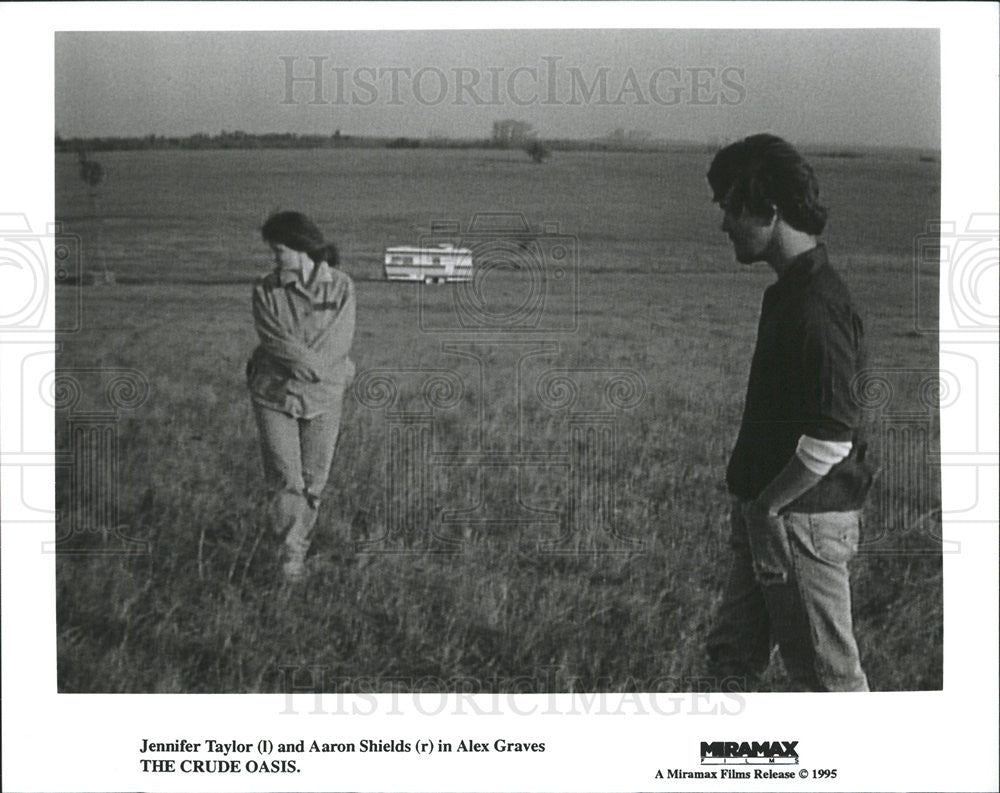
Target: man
<point x="797" y="472"/>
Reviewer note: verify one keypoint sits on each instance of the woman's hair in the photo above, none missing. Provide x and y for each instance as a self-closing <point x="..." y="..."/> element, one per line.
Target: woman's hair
<point x="294" y="230"/>
<point x="764" y="170"/>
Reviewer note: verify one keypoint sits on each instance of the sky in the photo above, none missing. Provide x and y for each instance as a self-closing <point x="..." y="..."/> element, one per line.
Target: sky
<point x="849" y="87"/>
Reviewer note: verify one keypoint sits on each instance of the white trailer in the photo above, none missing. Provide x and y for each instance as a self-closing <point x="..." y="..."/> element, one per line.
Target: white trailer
<point x="433" y="264"/>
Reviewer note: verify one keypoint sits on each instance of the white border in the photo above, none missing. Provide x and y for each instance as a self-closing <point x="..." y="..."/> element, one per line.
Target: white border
<point x="920" y="741"/>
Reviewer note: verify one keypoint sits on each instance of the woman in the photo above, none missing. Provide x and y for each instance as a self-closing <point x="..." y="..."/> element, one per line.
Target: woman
<point x="304" y="315"/>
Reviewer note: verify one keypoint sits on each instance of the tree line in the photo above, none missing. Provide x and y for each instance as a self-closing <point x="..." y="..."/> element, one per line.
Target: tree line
<point x="502" y="138"/>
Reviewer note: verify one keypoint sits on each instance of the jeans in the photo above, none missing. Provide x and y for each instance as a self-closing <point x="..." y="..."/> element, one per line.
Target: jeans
<point x="297" y="454"/>
<point x="789" y="585"/>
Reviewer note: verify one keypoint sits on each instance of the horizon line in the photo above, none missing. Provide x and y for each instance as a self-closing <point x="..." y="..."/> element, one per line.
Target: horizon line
<point x="648" y="142"/>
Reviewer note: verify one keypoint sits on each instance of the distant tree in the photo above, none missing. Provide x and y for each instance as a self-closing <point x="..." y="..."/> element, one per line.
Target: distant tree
<point x="92" y="173"/>
<point x="537" y="151"/>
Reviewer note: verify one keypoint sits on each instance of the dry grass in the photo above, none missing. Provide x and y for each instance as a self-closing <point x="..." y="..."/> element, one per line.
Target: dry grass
<point x="203" y="610"/>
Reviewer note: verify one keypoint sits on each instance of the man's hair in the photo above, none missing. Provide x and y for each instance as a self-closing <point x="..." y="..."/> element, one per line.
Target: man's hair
<point x="764" y="170"/>
<point x="294" y="230"/>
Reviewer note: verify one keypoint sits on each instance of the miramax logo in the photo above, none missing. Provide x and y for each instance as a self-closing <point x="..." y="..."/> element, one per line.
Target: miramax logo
<point x="749" y="753"/>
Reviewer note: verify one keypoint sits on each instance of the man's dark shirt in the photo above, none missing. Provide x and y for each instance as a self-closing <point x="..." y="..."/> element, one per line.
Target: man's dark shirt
<point x="810" y="346"/>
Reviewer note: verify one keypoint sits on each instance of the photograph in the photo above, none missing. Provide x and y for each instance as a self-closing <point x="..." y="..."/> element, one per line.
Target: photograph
<point x="509" y="397"/>
<point x="514" y="360"/>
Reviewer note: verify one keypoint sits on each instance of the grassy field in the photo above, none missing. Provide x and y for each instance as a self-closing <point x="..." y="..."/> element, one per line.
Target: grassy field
<point x="542" y="543"/>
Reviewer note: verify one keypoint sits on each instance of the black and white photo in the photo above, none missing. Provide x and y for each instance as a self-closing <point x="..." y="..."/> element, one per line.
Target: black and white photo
<point x="501" y="389"/>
